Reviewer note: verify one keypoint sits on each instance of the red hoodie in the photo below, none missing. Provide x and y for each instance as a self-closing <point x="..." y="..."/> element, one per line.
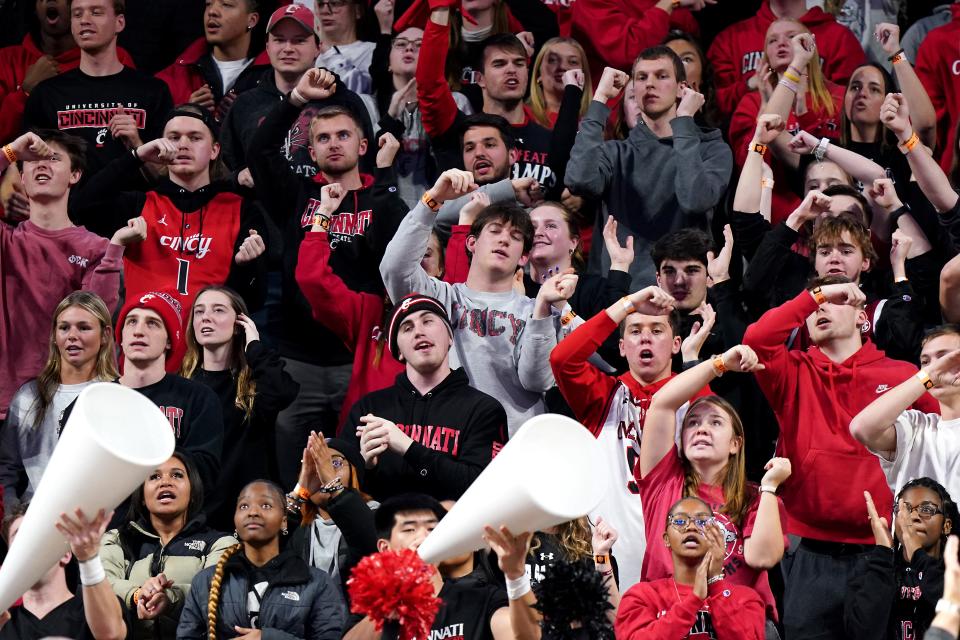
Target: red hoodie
<point x="614" y="32"/>
<point x="354" y="317"/>
<point x="815" y="399"/>
<point x="185" y="75"/>
<point x="736" y="52"/>
<point x="665" y="610"/>
<point x="14" y="63"/>
<point x="938" y="65"/>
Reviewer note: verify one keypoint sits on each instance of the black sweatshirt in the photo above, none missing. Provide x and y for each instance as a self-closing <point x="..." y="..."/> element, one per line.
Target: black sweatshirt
<point x="359" y="232"/>
<point x="208" y="216"/>
<point x="248" y="445"/>
<point x="456" y="431"/>
<point x="889" y="598"/>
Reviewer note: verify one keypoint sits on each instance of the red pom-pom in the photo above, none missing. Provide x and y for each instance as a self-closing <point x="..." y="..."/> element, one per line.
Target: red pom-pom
<point x="395" y="585"/>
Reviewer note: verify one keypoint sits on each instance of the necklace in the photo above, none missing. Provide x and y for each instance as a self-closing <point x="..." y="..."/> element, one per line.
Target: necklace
<point x="676" y="591"/>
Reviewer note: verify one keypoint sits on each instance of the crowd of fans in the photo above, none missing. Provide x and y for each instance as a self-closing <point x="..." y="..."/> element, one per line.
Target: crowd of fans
<point x="350" y="248"/>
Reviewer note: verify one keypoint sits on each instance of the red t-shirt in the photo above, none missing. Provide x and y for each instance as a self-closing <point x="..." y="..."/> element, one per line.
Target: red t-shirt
<point x="660" y="490"/>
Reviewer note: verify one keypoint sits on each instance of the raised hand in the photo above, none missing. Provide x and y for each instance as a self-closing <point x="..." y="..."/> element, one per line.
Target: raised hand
<point x="573" y="77"/>
<point x="527" y="191"/>
<point x="621" y="257"/>
<point x="769" y="126"/>
<point x="123" y="127"/>
<point x="814" y="205"/>
<point x="84" y="535"/>
<point x="251" y="248"/>
<point x="690" y="102"/>
<point x="804" y="48"/>
<point x="895" y="115"/>
<point x="699" y="332"/>
<point x="315" y="84"/>
<point x="135" y="231"/>
<point x="945" y="370"/>
<point x="159" y="151"/>
<point x="778" y="470"/>
<point x="511" y="550"/>
<point x="479" y="200"/>
<point x="652" y="301"/>
<point x="406" y="93"/>
<point x="250" y="331"/>
<point x="883" y="193"/>
<point x="908" y="536"/>
<point x="844" y="293"/>
<point x="803" y="143"/>
<point x="612" y="83"/>
<point x="331" y="195"/>
<point x="900" y="244"/>
<point x="452" y="184"/>
<point x="718" y="265"/>
<point x="880" y="526"/>
<point x="604" y="537"/>
<point x="384" y="11"/>
<point x="203" y="97"/>
<point x="44" y="68"/>
<point x="389" y="146"/>
<point x="526" y="39"/>
<point x="29" y="147"/>
<point x="888" y="35"/>
<point x="559" y="287"/>
<point x="741" y="358"/>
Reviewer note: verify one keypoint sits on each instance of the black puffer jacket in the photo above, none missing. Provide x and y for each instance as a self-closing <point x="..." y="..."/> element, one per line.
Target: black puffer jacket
<point x="299" y="602"/>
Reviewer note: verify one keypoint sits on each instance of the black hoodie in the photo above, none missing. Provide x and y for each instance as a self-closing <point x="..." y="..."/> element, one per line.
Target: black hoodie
<point x="456" y="431"/>
<point x="359" y="230"/>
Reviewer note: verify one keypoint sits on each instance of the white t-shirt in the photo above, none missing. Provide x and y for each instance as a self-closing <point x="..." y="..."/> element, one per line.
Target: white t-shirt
<point x="230" y="70"/>
<point x="927" y="446"/>
<point x="352" y="63"/>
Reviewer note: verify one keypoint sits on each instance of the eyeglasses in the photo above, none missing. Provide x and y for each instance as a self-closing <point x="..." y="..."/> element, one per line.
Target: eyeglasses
<point x="681" y="521"/>
<point x="926" y="509"/>
<point x="333" y="5"/>
<point x="401" y="44"/>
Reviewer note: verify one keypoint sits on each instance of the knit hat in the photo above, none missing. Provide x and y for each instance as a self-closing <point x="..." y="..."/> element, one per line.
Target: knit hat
<point x="351" y="453"/>
<point x="409" y="305"/>
<point x="170" y="311"/>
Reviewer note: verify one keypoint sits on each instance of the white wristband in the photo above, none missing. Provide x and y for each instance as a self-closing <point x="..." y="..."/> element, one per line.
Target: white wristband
<point x="91" y="572"/>
<point x="518" y="588"/>
<point x="768" y="489"/>
<point x="296" y="99"/>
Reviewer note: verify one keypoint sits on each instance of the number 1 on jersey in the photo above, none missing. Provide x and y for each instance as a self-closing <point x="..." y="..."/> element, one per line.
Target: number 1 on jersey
<point x="183" y="274"/>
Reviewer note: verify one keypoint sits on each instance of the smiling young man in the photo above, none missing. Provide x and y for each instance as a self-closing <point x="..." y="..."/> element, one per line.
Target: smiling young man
<point x="110" y="106"/>
<point x="193" y="231"/>
<point x="815" y="394"/>
<point x="218" y="67"/>
<point x="150" y="336"/>
<point x="613" y="408"/>
<point x="909" y="443"/>
<point x="502" y="338"/>
<point x="68" y="257"/>
<point x="668" y="174"/>
<point x="292" y="47"/>
<point x="431" y="432"/>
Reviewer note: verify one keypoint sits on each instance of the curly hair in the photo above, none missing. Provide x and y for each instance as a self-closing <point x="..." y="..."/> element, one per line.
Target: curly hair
<point x="213" y="599"/>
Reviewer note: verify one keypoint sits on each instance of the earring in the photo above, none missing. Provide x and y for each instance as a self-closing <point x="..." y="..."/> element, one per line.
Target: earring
<point x="284" y="531"/>
<point x="236" y="536"/>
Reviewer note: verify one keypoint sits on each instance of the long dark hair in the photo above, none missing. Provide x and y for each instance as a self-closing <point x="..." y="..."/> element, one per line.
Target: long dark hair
<point x="138" y="511"/>
<point x="886" y="138"/>
<point x="709" y="115"/>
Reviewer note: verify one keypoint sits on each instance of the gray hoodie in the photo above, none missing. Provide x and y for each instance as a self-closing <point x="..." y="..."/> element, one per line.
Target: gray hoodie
<point x="504" y="351"/>
<point x="650" y="185"/>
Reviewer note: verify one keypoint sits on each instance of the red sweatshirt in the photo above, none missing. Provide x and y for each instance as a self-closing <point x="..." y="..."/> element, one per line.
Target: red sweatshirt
<point x="815" y="399"/>
<point x="14" y="63"/>
<point x="819" y="123"/>
<point x="938" y="65"/>
<point x="185" y="75"/>
<point x="614" y="32"/>
<point x="354" y="317"/>
<point x="736" y="52"/>
<point x="665" y="610"/>
<point x="38" y="268"/>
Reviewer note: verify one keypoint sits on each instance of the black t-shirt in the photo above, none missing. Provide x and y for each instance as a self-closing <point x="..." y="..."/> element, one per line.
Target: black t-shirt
<point x="468" y="606"/>
<point x="533" y="142"/>
<point x="66" y="621"/>
<point x="83" y="105"/>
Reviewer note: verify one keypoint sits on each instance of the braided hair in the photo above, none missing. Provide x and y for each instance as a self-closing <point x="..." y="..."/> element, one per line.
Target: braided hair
<point x="213" y="599"/>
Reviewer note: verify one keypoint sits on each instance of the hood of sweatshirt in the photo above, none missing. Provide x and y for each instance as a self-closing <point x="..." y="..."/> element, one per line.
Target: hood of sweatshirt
<point x="840" y="378"/>
<point x="69" y="57"/>
<point x="642" y="134"/>
<point x="366" y="181"/>
<point x="814" y="17"/>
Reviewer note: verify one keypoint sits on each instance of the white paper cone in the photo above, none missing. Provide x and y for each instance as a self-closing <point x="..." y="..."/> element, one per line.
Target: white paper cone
<point x="545" y="475"/>
<point x="115" y="436"/>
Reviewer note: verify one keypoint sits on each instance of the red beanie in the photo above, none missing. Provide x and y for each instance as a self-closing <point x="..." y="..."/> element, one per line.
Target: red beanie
<point x="168" y="308"/>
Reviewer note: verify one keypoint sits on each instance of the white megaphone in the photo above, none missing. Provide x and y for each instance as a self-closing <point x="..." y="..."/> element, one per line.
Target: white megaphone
<point x="115" y="436"/>
<point x="545" y="475"/>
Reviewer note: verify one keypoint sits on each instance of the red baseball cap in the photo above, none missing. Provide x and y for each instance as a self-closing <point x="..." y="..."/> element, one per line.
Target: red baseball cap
<point x="297" y="12"/>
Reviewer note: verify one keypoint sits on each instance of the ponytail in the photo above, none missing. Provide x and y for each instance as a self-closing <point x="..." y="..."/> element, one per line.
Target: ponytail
<point x="213" y="600"/>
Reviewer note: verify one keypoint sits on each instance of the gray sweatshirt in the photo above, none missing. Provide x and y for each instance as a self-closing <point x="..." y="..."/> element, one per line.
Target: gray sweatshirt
<point x="504" y="351"/>
<point x="25" y="449"/>
<point x="650" y="185"/>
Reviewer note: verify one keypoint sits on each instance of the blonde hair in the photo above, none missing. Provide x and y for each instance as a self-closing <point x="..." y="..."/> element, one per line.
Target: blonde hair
<point x="574" y="538"/>
<point x="820" y="97"/>
<point x="246" y="387"/>
<point x="105" y="367"/>
<point x="737" y="494"/>
<point x="213" y="599"/>
<point x="538" y="102"/>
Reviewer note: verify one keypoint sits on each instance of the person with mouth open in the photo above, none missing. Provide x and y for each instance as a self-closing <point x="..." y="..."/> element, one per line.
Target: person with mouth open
<point x="696" y="601"/>
<point x="258" y="590"/>
<point x="431" y="432"/>
<point x="69" y="257"/>
<point x="192" y="229"/>
<point x="815" y="394"/>
<point x="709" y="462"/>
<point x="667" y="175"/>
<point x="163" y="543"/>
<point x="614" y="408"/>
<point x="896" y="585"/>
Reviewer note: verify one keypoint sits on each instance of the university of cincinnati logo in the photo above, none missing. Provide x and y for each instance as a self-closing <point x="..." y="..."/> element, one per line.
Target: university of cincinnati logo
<point x="96" y="118"/>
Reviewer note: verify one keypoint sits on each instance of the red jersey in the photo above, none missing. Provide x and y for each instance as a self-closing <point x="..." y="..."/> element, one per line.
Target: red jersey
<point x="183" y="251"/>
<point x="938" y="66"/>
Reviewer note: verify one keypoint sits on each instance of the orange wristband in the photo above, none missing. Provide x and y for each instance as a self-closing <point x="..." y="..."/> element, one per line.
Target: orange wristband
<point x="758" y="147"/>
<point x="718" y="367"/>
<point x="9" y="154"/>
<point x="911" y="142"/>
<point x="817" y="294"/>
<point x="430" y="202"/>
